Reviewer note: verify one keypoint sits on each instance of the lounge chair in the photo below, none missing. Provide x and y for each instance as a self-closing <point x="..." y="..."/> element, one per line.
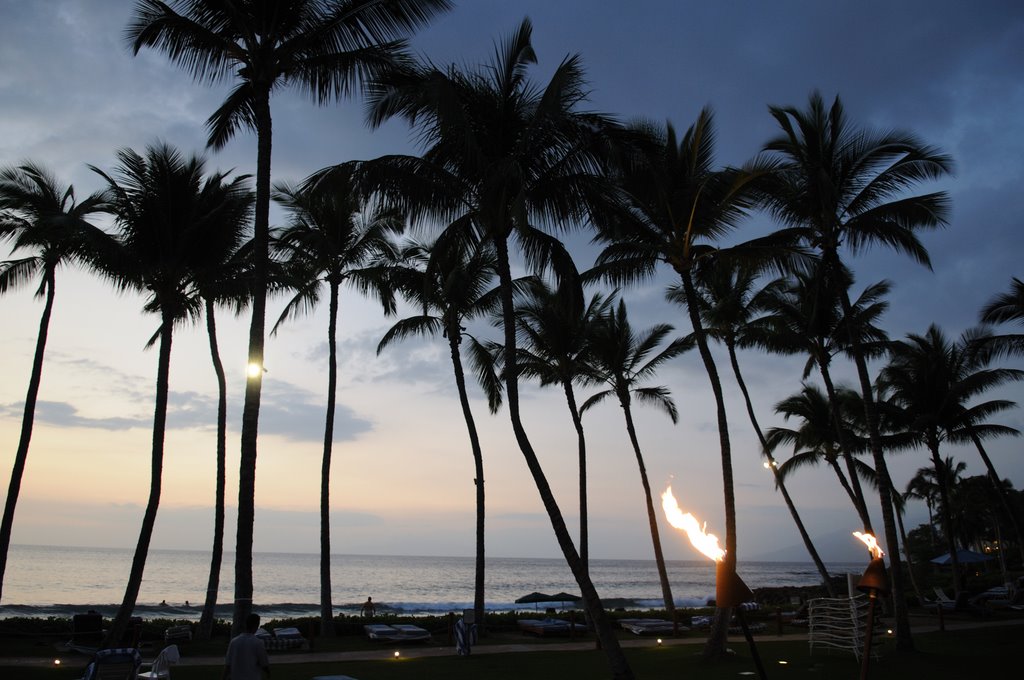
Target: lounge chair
<point x="649" y="626"/>
<point x="544" y="627"/>
<point x="178" y="634"/>
<point x="119" y="663"/>
<point x="160" y="669"/>
<point x="282" y="639"/>
<point x="396" y="633"/>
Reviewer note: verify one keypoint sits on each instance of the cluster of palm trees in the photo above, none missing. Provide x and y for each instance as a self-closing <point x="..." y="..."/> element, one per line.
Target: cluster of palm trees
<point x="506" y="163"/>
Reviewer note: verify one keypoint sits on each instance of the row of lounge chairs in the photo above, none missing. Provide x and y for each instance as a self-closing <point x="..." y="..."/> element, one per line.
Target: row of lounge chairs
<point x="396" y="632"/>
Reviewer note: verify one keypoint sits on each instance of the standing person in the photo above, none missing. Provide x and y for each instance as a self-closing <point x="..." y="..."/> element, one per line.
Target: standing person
<point x="368" y="610"/>
<point x="247" y="655"/>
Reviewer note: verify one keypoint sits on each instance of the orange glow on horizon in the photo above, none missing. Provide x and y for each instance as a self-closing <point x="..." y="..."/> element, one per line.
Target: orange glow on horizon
<point x="704" y="542"/>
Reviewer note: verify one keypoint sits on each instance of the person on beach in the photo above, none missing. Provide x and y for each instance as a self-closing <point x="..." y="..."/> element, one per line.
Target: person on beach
<point x="247" y="655"/>
<point x="368" y="609"/>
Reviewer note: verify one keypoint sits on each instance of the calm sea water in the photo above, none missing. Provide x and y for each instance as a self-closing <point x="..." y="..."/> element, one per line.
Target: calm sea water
<point x="53" y="581"/>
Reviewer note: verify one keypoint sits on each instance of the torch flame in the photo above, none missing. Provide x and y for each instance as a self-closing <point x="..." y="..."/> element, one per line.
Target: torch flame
<point x="871" y="543"/>
<point x="704" y="542"/>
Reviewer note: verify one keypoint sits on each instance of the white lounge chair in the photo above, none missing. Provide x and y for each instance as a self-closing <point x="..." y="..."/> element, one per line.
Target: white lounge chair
<point x="160" y="669"/>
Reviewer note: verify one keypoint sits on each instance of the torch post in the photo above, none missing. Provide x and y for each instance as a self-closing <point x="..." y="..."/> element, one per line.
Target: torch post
<point x="873" y="582"/>
<point x="731" y="591"/>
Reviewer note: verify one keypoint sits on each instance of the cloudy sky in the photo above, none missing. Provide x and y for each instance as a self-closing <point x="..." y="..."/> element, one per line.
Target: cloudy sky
<point x="71" y="94"/>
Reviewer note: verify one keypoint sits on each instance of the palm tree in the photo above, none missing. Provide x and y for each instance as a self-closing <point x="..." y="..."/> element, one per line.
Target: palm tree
<point x="42" y="217"/>
<point x="226" y="284"/>
<point x="504" y="157"/>
<point x="173" y="224"/>
<point x="728" y="306"/>
<point x="325" y="48"/>
<point x="554" y="333"/>
<point x="676" y="208"/>
<point x="334" y="237"/>
<point x="451" y="286"/>
<point x="932" y="379"/>
<point x="843" y="187"/>
<point x="815" y="439"/>
<point x="621" y="359"/>
<point x="805" y="315"/>
<point x="1004" y="308"/>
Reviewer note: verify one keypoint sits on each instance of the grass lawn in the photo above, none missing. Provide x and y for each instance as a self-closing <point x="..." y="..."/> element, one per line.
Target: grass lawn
<point x="939" y="656"/>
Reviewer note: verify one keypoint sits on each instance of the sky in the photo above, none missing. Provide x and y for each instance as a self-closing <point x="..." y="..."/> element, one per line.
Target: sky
<point x="72" y="94"/>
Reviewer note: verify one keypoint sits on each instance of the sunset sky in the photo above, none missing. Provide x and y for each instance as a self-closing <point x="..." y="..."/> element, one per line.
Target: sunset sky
<point x="71" y="94"/>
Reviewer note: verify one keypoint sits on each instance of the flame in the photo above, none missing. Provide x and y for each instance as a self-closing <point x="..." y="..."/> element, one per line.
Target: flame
<point x="871" y="543"/>
<point x="704" y="542"/>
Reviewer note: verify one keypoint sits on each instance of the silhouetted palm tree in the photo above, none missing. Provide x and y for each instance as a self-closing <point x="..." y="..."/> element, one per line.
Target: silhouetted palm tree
<point x="815" y="439"/>
<point x="621" y="359"/>
<point x="326" y="49"/>
<point x="729" y="306"/>
<point x="451" y="286"/>
<point x="172" y="225"/>
<point x="933" y="379"/>
<point x="805" y="315"/>
<point x="677" y="207"/>
<point x="334" y="236"/>
<point x="554" y="335"/>
<point x="40" y="216"/>
<point x="843" y="187"/>
<point x="227" y="284"/>
<point x="504" y="157"/>
<point x="1004" y="308"/>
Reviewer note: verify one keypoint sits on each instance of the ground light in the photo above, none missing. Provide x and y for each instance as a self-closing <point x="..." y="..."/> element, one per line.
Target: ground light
<point x="397" y="654"/>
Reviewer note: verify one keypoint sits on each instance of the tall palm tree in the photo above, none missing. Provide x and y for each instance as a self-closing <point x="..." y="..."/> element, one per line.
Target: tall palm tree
<point x="554" y="335"/>
<point x="326" y="49"/>
<point x="677" y="207"/>
<point x="504" y="157"/>
<point x="815" y="439"/>
<point x="227" y="284"/>
<point x="805" y="315"/>
<point x="334" y="237"/>
<point x="844" y="187"/>
<point x="40" y="216"/>
<point x="451" y="286"/>
<point x="929" y="377"/>
<point x="729" y="306"/>
<point x="172" y="224"/>
<point x="621" y="359"/>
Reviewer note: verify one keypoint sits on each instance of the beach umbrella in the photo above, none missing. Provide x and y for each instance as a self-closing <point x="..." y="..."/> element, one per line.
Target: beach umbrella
<point x="534" y="598"/>
<point x="963" y="557"/>
<point x="565" y="597"/>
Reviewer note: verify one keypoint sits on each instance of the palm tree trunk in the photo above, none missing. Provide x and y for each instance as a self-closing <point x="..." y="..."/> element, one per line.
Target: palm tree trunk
<point x="906" y="552"/>
<point x="581" y="440"/>
<point x="254" y="384"/>
<point x="945" y="511"/>
<point x="652" y="518"/>
<point x="326" y="608"/>
<point x="28" y="418"/>
<point x="454" y="340"/>
<point x="591" y="600"/>
<point x="119" y="626"/>
<point x="779" y="483"/>
<point x="998" y="487"/>
<point x="904" y="639"/>
<point x="859" y="501"/>
<point x="715" y="645"/>
<point x="205" y="629"/>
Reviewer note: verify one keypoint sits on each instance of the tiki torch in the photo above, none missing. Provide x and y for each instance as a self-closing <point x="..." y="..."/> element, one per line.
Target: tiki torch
<point x="872" y="582"/>
<point x="730" y="590"/>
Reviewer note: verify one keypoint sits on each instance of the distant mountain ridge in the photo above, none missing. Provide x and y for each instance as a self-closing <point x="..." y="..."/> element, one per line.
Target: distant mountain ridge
<point x="838" y="546"/>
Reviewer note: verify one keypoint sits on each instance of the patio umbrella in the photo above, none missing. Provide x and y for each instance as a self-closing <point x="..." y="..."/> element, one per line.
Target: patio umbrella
<point x="963" y="557"/>
<point x="565" y="597"/>
<point x="534" y="598"/>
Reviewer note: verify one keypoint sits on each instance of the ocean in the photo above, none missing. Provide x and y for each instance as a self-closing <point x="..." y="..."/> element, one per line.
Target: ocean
<point x="43" y="581"/>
